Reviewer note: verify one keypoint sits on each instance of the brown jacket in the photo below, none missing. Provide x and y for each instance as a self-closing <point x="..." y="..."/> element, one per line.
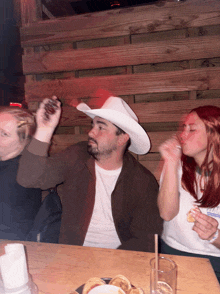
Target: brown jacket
<point x="134" y="199"/>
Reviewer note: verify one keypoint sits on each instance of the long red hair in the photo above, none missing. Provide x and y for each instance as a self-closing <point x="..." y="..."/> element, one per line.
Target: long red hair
<point x="210" y="174"/>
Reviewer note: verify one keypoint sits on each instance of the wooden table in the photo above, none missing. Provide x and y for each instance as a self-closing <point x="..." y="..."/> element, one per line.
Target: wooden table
<point x="60" y="269"/>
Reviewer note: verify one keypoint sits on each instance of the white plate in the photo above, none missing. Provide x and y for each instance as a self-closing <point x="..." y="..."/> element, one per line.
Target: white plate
<point x="106" y="289"/>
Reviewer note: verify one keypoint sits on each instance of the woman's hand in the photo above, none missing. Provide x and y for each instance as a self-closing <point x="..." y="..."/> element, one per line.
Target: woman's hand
<point x="205" y="226"/>
<point x="170" y="150"/>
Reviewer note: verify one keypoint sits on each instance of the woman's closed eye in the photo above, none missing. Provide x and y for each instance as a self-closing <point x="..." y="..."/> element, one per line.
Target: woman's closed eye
<point x="4" y="134"/>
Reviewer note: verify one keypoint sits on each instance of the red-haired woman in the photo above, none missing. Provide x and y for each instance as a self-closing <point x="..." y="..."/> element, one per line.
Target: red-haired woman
<point x="190" y="181"/>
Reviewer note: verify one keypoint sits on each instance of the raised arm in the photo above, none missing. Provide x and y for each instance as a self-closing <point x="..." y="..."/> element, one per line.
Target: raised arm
<point x="168" y="197"/>
<point x="36" y="170"/>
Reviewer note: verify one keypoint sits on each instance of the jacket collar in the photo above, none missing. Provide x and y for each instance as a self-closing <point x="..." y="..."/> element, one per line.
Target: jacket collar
<point x="90" y="163"/>
<point x="127" y="164"/>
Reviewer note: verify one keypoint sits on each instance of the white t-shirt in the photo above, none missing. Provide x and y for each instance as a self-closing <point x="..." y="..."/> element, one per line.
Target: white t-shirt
<point x="178" y="232"/>
<point x="101" y="231"/>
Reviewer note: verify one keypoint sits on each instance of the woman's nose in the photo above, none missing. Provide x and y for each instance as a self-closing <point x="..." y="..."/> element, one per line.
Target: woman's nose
<point x="183" y="136"/>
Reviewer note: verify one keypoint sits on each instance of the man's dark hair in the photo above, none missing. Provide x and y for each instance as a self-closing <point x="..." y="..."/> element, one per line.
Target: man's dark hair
<point x="119" y="132"/>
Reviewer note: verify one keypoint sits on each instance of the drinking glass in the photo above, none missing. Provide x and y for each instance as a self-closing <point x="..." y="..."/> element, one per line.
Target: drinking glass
<point x="163" y="280"/>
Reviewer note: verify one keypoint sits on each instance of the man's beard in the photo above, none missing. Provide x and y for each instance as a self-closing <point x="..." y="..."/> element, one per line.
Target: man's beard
<point x="96" y="153"/>
<point x="92" y="151"/>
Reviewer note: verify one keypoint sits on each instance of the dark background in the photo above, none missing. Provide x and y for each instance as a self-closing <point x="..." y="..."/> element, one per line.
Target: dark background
<point x="11" y="76"/>
<point x="71" y="7"/>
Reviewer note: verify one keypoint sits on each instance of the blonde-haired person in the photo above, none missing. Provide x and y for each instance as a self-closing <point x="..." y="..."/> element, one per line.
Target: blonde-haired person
<point x="190" y="181"/>
<point x="18" y="205"/>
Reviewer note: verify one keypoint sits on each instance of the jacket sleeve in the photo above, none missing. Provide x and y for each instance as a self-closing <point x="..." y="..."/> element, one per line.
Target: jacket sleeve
<point x="37" y="170"/>
<point x="145" y="220"/>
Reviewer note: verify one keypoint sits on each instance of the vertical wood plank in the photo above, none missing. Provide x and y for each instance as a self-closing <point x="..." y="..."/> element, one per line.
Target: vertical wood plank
<point x="31" y="11"/>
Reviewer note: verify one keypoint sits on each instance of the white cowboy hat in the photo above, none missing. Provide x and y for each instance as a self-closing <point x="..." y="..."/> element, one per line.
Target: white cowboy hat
<point x="117" y="111"/>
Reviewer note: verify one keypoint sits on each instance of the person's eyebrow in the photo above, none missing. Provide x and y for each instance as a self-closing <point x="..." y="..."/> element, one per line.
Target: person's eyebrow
<point x="101" y="123"/>
<point x="191" y="124"/>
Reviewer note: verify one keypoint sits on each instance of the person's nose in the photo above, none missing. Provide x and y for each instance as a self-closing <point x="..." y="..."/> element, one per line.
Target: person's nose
<point x="183" y="136"/>
<point x="92" y="132"/>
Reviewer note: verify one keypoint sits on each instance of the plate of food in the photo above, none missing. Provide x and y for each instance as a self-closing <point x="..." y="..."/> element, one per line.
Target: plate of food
<point x="117" y="285"/>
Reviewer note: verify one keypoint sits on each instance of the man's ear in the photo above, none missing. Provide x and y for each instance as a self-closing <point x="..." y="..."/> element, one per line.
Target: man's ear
<point x="122" y="139"/>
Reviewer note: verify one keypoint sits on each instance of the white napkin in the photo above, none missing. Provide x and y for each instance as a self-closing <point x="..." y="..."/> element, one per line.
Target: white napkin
<point x="13" y="266"/>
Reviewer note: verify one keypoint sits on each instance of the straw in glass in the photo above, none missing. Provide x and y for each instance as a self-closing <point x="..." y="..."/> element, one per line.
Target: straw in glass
<point x="156" y="258"/>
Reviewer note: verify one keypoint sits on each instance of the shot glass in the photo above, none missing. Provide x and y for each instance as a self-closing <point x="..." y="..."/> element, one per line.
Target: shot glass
<point x="163" y="280"/>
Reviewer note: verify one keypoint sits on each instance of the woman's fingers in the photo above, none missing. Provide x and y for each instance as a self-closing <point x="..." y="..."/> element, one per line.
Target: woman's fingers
<point x="171" y="149"/>
<point x="204" y="225"/>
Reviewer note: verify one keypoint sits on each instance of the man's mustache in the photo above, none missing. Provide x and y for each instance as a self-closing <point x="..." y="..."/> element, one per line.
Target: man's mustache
<point x="91" y="139"/>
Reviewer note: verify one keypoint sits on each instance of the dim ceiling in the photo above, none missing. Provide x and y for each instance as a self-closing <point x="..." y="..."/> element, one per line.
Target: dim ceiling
<point x="62" y="8"/>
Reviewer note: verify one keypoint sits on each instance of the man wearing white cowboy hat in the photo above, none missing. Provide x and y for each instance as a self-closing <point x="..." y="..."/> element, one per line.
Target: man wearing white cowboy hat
<point x="108" y="197"/>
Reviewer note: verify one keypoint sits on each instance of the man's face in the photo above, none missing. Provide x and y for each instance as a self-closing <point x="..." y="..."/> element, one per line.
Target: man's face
<point x="102" y="139"/>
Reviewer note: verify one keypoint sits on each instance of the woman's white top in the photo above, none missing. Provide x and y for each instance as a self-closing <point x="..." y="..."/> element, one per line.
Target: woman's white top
<point x="178" y="232"/>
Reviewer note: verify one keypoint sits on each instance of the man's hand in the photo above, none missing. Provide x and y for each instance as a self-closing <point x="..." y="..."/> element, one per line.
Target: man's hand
<point x="48" y="113"/>
<point x="47" y="118"/>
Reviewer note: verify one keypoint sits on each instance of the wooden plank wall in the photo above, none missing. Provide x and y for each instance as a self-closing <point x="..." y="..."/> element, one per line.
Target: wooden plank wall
<point x="162" y="59"/>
